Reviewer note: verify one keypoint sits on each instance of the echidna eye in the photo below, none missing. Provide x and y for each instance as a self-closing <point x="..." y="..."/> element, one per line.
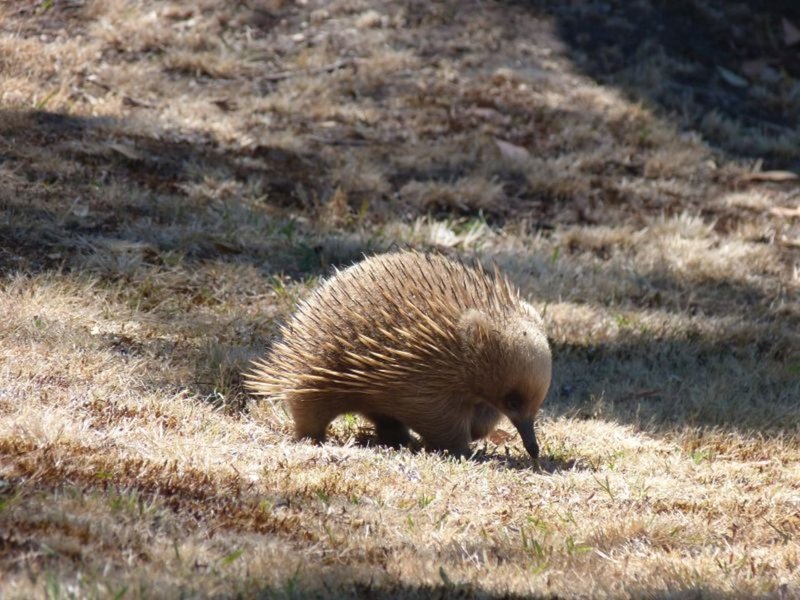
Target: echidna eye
<point x="513" y="400"/>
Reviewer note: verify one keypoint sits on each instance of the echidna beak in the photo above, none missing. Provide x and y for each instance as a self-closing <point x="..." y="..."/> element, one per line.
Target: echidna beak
<point x="525" y="428"/>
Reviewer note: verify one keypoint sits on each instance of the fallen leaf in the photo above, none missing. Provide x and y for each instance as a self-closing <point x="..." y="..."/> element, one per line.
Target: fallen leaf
<point x="79" y="209"/>
<point x="785" y="211"/>
<point x="177" y="14"/>
<point x="225" y="104"/>
<point x="773" y="176"/>
<point x="126" y="151"/>
<point x="760" y="69"/>
<point x="785" y="241"/>
<point x="753" y="68"/>
<point x="337" y="208"/>
<point x="500" y="436"/>
<point x="129" y="101"/>
<point x="489" y="114"/>
<point x="640" y="394"/>
<point x="511" y="151"/>
<point x="791" y="34"/>
<point x="732" y="78"/>
<point x="225" y="247"/>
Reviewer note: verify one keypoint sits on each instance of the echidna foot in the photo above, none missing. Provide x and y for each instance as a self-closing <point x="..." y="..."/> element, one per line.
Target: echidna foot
<point x="389" y="431"/>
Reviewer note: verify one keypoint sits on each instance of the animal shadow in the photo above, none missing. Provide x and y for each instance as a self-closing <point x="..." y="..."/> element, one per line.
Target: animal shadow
<point x="550" y="465"/>
<point x="482" y="453"/>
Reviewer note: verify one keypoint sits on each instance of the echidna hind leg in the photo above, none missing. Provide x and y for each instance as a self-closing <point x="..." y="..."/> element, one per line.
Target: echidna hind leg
<point x="390" y="431"/>
<point x="310" y="423"/>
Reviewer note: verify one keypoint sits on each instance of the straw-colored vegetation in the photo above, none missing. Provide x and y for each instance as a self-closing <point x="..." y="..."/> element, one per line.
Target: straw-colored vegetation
<point x="175" y="175"/>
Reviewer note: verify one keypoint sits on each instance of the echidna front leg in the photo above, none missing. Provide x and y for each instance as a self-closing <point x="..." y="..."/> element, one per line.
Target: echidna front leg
<point x="453" y="437"/>
<point x="484" y="420"/>
<point x="390" y="431"/>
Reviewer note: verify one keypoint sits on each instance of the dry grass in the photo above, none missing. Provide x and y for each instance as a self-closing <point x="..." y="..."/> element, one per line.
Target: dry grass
<point x="176" y="175"/>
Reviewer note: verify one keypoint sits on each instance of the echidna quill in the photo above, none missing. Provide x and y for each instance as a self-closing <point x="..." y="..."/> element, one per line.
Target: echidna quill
<point x="411" y="341"/>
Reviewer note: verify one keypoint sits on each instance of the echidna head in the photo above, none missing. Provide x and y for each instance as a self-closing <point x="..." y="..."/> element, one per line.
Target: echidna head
<point x="516" y="365"/>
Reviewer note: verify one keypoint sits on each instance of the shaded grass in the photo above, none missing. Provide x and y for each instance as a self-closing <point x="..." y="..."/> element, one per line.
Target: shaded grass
<point x="721" y="69"/>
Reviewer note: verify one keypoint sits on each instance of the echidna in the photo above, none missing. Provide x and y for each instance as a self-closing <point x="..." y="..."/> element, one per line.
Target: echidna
<point x="411" y="340"/>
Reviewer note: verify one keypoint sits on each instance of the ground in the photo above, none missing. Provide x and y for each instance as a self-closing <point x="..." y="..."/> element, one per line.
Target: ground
<point x="175" y="176"/>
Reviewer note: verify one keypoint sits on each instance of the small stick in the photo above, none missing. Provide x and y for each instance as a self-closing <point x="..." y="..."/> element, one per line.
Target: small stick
<point x="334" y="66"/>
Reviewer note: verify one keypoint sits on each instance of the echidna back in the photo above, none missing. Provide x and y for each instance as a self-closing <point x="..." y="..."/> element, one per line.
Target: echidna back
<point x="384" y="322"/>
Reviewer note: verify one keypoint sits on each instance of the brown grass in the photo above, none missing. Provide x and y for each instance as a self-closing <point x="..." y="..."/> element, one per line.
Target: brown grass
<point x="176" y="175"/>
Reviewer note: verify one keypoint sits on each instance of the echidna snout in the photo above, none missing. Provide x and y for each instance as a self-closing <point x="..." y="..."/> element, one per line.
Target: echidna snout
<point x="411" y="341"/>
